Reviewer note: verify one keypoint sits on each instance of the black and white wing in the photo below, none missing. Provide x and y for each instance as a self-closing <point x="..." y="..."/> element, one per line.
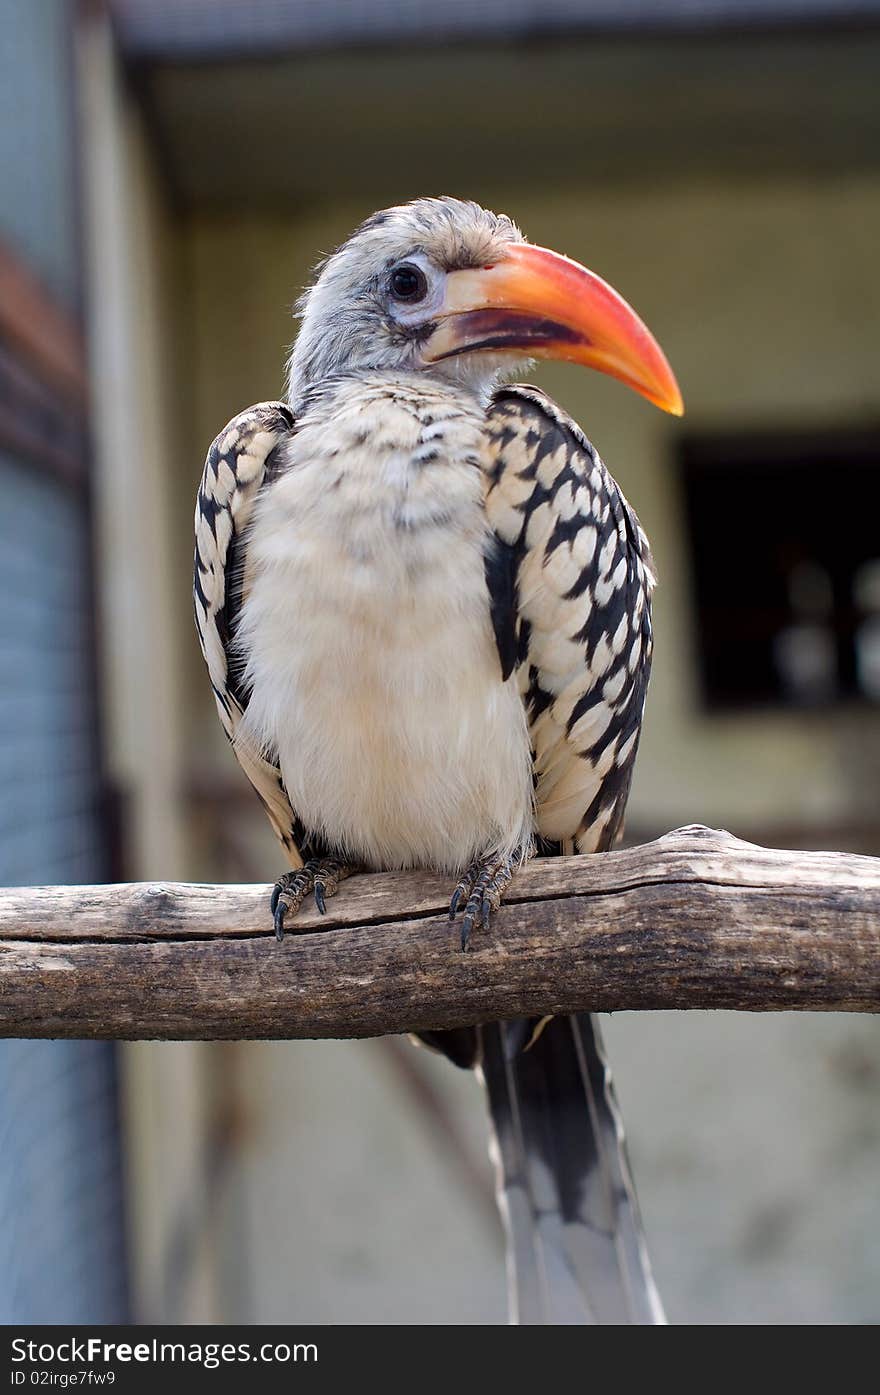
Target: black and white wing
<point x="238" y="464"/>
<point x="570" y="584"/>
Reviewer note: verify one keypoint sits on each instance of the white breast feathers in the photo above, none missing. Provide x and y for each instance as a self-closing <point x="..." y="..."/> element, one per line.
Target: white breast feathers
<point x="367" y="634"/>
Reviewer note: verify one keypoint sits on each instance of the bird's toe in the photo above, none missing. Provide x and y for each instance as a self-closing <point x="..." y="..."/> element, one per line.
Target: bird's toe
<point x="483" y="884"/>
<point x="320" y="876"/>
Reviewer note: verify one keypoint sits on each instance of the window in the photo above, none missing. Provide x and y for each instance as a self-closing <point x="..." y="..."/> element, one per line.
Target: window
<point x="784" y="534"/>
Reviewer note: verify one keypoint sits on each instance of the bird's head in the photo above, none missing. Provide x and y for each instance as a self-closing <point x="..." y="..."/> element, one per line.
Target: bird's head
<point x="446" y="287"/>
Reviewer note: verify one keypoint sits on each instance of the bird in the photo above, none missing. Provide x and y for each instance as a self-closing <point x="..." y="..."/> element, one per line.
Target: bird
<point x="425" y="608"/>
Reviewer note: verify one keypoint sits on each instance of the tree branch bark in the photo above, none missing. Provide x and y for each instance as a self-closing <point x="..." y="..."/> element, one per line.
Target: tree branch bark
<point x="696" y="919"/>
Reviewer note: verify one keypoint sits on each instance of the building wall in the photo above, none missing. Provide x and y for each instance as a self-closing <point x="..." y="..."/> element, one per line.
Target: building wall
<point x="137" y="327"/>
<point x="62" y="1252"/>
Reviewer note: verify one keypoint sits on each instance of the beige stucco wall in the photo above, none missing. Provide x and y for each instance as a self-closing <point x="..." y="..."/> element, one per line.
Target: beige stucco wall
<point x="136" y="334"/>
<point x="133" y="341"/>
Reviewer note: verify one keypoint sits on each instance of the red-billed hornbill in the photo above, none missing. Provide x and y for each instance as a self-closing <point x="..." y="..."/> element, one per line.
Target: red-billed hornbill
<point x="425" y="607"/>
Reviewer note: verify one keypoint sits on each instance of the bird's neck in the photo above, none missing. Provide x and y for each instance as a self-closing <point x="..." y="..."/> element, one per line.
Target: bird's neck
<point x="470" y="393"/>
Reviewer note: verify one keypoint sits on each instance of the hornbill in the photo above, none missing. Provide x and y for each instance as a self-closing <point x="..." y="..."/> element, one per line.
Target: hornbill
<point x="425" y="608"/>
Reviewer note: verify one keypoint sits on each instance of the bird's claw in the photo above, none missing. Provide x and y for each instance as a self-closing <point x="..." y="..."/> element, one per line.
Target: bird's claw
<point x="321" y="876"/>
<point x="484" y="884"/>
<point x="319" y="893"/>
<point x="288" y="894"/>
<point x="456" y="897"/>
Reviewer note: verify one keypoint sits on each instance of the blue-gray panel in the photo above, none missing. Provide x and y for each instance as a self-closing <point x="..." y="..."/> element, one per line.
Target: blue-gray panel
<point x="61" y="1223"/>
<point x="37" y="150"/>
<point x="61" y="1235"/>
<point x="49" y="825"/>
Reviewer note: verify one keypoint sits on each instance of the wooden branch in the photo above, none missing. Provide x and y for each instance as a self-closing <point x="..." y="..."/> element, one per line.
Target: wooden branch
<point x="696" y="919"/>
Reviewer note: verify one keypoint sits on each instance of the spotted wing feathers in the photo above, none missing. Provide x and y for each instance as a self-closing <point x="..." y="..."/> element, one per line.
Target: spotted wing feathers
<point x="237" y="466"/>
<point x="570" y="586"/>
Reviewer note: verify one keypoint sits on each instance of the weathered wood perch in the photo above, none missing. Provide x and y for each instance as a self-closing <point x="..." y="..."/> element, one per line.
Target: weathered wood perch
<point x="696" y="919"/>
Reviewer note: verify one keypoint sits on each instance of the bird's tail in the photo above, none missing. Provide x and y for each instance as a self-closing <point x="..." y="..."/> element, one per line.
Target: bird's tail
<point x="576" y="1249"/>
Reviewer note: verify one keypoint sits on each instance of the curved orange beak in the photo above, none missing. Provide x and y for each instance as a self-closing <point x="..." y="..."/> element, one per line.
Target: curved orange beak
<point x="538" y="303"/>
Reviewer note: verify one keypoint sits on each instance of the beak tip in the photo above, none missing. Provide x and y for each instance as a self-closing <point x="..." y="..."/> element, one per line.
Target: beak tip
<point x="669" y="399"/>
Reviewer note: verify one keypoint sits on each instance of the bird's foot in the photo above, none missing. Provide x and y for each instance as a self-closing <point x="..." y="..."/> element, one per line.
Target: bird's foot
<point x="481" y="888"/>
<point x="320" y="875"/>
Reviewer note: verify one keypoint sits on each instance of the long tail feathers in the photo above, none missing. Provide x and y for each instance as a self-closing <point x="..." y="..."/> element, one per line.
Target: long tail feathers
<point x="576" y="1251"/>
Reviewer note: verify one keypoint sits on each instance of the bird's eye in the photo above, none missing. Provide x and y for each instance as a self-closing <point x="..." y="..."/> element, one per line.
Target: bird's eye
<point x="408" y="283"/>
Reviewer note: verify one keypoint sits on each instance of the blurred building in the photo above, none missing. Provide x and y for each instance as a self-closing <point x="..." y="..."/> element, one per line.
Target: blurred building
<point x="61" y="1218"/>
<point x="719" y="162"/>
